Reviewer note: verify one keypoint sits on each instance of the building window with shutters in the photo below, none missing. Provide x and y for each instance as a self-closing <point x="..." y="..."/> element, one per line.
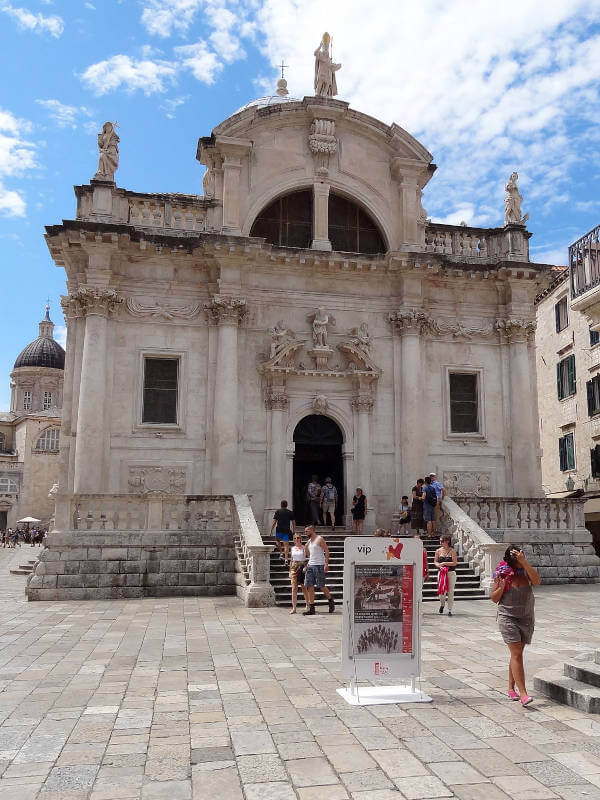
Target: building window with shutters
<point x="161" y="393"/>
<point x="26" y="400"/>
<point x="594" y="337"/>
<point x="566" y="452"/>
<point x="561" y="313"/>
<point x="595" y="461"/>
<point x="565" y="377"/>
<point x="593" y="395"/>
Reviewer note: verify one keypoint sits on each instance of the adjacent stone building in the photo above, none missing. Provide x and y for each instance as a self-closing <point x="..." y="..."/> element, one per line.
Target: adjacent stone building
<point x="30" y="431"/>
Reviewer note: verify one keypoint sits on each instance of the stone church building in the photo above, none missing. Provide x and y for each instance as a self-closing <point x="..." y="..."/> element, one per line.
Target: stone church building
<point x="301" y="316"/>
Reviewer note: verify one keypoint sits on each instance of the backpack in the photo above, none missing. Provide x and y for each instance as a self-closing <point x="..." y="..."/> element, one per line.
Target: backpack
<point x="430" y="495"/>
<point x="329" y="494"/>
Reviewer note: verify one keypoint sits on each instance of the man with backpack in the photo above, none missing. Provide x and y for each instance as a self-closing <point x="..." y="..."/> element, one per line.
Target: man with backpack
<point x="313" y="495"/>
<point x="429" y="504"/>
<point x="329" y="500"/>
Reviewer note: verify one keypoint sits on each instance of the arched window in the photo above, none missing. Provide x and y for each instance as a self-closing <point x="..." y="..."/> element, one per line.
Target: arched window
<point x="351" y="229"/>
<point x="49" y="440"/>
<point x="8" y="486"/>
<point x="288" y="222"/>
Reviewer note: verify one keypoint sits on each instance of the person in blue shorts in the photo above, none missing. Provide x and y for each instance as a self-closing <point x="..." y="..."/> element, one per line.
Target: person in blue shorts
<point x="284" y="524"/>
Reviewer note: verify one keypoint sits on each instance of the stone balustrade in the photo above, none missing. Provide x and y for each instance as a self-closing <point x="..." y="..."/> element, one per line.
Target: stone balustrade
<point x="159" y="212"/>
<point x="464" y="243"/>
<point x="473" y="544"/>
<point x="253" y="555"/>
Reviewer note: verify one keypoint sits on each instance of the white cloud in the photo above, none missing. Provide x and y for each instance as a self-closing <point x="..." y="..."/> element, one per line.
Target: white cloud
<point x="169" y="106"/>
<point x="28" y="20"/>
<point x="64" y="115"/>
<point x="60" y="334"/>
<point x="165" y="17"/>
<point x="553" y="255"/>
<point x="125" y="72"/>
<point x="203" y="64"/>
<point x="17" y="155"/>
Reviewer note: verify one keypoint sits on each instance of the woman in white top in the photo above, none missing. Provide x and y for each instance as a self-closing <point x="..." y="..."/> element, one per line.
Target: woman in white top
<point x="297" y="563"/>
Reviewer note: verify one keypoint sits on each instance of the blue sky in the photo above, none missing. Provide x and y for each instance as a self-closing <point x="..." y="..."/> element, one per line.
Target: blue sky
<point x="488" y="88"/>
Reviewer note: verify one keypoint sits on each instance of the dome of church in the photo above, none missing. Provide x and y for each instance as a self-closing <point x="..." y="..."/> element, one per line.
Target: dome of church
<point x="268" y="100"/>
<point x="44" y="351"/>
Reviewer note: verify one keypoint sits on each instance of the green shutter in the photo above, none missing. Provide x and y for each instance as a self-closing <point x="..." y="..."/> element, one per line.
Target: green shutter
<point x="557" y="316"/>
<point x="571" y="374"/>
<point x="558" y="380"/>
<point x="562" y="454"/>
<point x="570" y="442"/>
<point x="590" y="397"/>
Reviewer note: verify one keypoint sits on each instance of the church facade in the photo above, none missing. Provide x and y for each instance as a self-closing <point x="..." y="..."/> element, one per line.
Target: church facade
<point x="302" y="316"/>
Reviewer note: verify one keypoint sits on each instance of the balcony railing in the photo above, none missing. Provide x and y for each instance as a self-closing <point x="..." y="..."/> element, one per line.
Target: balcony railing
<point x="584" y="262"/>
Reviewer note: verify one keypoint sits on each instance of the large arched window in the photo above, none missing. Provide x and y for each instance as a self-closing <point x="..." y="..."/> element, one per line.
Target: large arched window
<point x="288" y="222"/>
<point x="49" y="440"/>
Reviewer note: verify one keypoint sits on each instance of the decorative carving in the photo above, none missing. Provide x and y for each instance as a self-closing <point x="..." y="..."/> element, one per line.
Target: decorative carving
<point x="516" y="330"/>
<point x="363" y="403"/>
<point x="322" y="143"/>
<point x="457" y="330"/>
<point x="325" y="69"/>
<point x="108" y="146"/>
<point x="89" y="300"/>
<point x="321" y="356"/>
<point x="360" y="337"/>
<point x="161" y="310"/>
<point x="410" y="319"/>
<point x="512" y="203"/>
<point x="157" y="480"/>
<point x="421" y="213"/>
<point x="280" y="338"/>
<point x="276" y="400"/>
<point x="467" y="484"/>
<point x="223" y="310"/>
<point x="320" y="322"/>
<point x="320" y="404"/>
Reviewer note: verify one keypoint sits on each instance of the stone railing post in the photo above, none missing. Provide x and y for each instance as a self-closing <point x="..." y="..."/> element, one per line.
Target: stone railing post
<point x="492" y="556"/>
<point x="259" y="592"/>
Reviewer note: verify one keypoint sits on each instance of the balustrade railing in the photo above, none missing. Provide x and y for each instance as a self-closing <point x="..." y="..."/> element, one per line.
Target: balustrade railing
<point x="159" y="213"/>
<point x="584" y="262"/>
<point x="500" y="514"/>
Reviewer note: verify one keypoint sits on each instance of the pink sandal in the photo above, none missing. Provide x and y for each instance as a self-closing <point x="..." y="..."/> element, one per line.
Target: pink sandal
<point x="526" y="700"/>
<point x="513" y="695"/>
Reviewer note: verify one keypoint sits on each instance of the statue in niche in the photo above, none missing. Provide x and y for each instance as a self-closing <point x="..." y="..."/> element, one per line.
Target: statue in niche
<point x="325" y="69"/>
<point x="512" y="203"/>
<point x="108" y="145"/>
<point x="361" y="337"/>
<point x="280" y="337"/>
<point x="320" y="321"/>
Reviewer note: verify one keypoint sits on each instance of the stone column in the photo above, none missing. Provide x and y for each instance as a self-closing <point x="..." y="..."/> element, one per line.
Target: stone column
<point x="321" y="216"/>
<point x="524" y="437"/>
<point x="226" y="312"/>
<point x="96" y="305"/>
<point x="409" y="324"/>
<point x="277" y="404"/>
<point x="362" y="404"/>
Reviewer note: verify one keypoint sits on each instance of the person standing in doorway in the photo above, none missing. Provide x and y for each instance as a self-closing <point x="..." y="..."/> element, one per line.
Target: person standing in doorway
<point x="359" y="511"/>
<point x="313" y="495"/>
<point x="440" y="494"/>
<point x="329" y="499"/>
<point x="446" y="560"/>
<point x="317" y="553"/>
<point x="282" y="519"/>
<point x="417" y="523"/>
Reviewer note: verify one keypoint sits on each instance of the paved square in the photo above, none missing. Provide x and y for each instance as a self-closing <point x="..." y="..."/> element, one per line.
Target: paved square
<point x="200" y="698"/>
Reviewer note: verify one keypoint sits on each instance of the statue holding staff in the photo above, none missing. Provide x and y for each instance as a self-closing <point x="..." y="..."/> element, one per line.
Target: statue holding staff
<point x="325" y="69"/>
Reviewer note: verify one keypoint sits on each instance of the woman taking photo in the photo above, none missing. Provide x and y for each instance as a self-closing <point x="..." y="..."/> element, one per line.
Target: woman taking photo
<point x="512" y="591"/>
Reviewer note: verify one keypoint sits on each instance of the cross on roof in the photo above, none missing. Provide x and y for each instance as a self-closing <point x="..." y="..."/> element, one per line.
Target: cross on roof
<point x="282" y="67"/>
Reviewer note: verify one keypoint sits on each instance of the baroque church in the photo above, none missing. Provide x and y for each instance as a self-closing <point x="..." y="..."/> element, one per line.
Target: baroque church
<point x="30" y="431"/>
<point x="302" y="316"/>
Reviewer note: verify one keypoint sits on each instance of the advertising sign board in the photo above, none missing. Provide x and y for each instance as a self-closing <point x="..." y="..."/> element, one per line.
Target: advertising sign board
<point x="383" y="581"/>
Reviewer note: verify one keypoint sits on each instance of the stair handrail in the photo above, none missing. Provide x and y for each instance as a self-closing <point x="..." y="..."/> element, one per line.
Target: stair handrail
<point x="473" y="544"/>
<point x="258" y="592"/>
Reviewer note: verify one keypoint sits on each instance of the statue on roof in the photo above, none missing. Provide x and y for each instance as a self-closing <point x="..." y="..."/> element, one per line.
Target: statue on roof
<point x="325" y="69"/>
<point x="512" y="203"/>
<point x="108" y="146"/>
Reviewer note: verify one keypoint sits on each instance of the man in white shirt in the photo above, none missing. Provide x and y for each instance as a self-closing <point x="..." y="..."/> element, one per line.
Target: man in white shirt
<point x="318" y="566"/>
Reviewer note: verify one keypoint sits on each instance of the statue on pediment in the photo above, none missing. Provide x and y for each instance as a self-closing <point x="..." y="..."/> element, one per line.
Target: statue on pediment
<point x="512" y="203"/>
<point x="360" y="337"/>
<point x="320" y="323"/>
<point x="108" y="146"/>
<point x="281" y="336"/>
<point x="325" y="69"/>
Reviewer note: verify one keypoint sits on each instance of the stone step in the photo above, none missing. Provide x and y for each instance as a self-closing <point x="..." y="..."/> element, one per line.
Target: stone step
<point x="20" y="572"/>
<point x="26" y="566"/>
<point x="584" y="671"/>
<point x="554" y="684"/>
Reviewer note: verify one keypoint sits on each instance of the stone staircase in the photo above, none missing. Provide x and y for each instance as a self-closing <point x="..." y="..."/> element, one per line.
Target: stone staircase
<point x="25" y="569"/>
<point x="467" y="582"/>
<point x="578" y="685"/>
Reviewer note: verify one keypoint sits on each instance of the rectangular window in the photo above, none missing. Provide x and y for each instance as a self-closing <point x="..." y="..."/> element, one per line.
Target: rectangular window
<point x="566" y="452"/>
<point x="594" y="337"/>
<point x="47" y="400"/>
<point x="565" y="377"/>
<point x="562" y="314"/>
<point x="593" y="395"/>
<point x="160" y="390"/>
<point x="595" y="461"/>
<point x="26" y="400"/>
<point x="8" y="486"/>
<point x="464" y="402"/>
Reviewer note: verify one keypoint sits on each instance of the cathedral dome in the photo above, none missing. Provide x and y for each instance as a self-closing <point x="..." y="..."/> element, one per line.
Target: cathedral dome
<point x="268" y="100"/>
<point x="44" y="351"/>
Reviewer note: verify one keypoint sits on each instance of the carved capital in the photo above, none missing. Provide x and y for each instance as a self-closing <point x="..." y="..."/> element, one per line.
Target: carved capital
<point x="363" y="403"/>
<point x="516" y="330"/>
<point x="276" y="400"/>
<point x="409" y="320"/>
<point x="223" y="310"/>
<point x="89" y="300"/>
<point x="322" y="143"/>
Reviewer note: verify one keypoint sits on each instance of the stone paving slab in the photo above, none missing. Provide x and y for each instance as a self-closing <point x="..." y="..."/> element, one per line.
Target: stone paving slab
<point x="201" y="698"/>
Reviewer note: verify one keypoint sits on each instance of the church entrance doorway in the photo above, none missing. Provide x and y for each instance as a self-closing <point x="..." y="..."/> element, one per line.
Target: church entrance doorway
<point x="318" y="451"/>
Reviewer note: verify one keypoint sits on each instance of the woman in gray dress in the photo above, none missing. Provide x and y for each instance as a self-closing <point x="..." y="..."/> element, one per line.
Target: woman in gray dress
<point x="512" y="591"/>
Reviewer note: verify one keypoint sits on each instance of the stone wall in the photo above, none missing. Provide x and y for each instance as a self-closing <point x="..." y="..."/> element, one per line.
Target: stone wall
<point x="86" y="565"/>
